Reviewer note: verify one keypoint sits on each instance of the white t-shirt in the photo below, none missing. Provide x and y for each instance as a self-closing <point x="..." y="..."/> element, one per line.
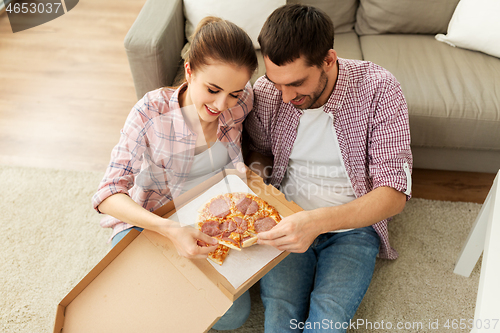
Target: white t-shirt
<point x="206" y="164"/>
<point x="316" y="176"/>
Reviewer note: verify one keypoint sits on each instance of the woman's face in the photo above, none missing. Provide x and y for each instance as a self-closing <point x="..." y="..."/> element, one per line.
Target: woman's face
<point x="214" y="88"/>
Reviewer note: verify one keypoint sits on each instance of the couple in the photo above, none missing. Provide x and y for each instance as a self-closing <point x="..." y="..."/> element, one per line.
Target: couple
<point x="316" y="121"/>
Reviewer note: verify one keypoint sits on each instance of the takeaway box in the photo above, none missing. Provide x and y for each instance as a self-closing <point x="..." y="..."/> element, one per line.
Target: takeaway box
<point x="143" y="285"/>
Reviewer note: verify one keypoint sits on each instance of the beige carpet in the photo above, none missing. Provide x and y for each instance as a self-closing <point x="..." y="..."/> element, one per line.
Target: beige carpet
<point x="50" y="238"/>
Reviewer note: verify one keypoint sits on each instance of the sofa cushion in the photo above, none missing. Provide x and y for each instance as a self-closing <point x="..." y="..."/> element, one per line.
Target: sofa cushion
<point x="347" y="46"/>
<point x="404" y="16"/>
<point x="452" y="94"/>
<point x="153" y="45"/>
<point x="475" y="25"/>
<point x="342" y="12"/>
<point x="249" y="18"/>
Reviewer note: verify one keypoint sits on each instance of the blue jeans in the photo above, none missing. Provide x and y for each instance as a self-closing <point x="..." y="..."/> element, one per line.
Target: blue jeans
<point x="234" y="317"/>
<point x="321" y="289"/>
<point x="119" y="236"/>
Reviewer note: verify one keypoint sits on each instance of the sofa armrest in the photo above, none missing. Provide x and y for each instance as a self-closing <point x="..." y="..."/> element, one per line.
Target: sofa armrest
<point x="154" y="43"/>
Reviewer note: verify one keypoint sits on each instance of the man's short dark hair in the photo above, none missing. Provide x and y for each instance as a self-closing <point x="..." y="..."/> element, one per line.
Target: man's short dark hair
<point x="297" y="30"/>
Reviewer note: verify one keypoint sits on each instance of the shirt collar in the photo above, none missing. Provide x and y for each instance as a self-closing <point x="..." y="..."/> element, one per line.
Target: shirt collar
<point x="179" y="124"/>
<point x="339" y="92"/>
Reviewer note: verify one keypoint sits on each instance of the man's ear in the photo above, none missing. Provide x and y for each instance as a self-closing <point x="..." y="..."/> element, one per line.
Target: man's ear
<point x="330" y="61"/>
<point x="187" y="72"/>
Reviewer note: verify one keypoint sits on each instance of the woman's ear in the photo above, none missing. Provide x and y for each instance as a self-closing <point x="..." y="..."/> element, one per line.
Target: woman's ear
<point x="187" y="72"/>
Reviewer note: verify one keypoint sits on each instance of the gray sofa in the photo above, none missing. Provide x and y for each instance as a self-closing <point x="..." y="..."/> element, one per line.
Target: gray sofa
<point x="453" y="94"/>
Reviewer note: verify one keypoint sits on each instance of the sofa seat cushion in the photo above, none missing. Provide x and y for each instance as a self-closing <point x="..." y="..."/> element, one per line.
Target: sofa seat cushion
<point x="453" y="94"/>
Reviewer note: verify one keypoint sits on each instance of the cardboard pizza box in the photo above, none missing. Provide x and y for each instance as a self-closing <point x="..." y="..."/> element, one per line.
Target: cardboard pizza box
<point x="144" y="285"/>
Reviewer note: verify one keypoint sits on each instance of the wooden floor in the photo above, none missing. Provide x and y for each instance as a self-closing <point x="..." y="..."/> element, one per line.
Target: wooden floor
<point x="66" y="90"/>
<point x="65" y="87"/>
<point x="451" y="185"/>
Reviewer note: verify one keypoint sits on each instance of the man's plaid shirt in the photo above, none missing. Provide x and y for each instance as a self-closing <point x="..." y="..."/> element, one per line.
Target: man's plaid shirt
<point x="370" y="117"/>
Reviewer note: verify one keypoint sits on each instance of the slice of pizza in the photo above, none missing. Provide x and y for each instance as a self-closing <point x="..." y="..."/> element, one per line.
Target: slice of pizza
<point x="247" y="237"/>
<point x="212" y="228"/>
<point x="264" y="224"/>
<point x="224" y="230"/>
<point x="219" y="255"/>
<point x="233" y="241"/>
<point x="252" y="209"/>
<point x="229" y="234"/>
<point x="261" y="216"/>
<point x="217" y="207"/>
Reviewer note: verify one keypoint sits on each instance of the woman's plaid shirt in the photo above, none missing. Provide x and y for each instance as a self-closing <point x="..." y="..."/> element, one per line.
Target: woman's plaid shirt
<point x="155" y="152"/>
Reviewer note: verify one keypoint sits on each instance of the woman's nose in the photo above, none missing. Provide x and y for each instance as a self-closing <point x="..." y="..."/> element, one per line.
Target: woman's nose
<point x="221" y="103"/>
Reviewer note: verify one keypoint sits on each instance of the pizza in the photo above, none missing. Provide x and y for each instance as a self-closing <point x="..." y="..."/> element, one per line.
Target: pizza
<point x="235" y="219"/>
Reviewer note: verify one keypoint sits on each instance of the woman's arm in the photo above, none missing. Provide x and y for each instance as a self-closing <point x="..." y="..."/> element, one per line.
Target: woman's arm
<point x="185" y="239"/>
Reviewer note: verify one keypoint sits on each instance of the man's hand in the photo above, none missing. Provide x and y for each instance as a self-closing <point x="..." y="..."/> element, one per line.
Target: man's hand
<point x="295" y="233"/>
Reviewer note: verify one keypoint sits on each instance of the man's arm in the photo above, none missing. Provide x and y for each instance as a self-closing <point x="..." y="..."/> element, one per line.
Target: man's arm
<point x="296" y="232"/>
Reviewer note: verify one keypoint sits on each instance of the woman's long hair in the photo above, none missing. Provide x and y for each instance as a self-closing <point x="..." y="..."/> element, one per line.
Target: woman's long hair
<point x="222" y="41"/>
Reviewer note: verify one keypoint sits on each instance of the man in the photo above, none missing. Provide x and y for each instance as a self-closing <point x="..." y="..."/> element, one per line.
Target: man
<point x="335" y="133"/>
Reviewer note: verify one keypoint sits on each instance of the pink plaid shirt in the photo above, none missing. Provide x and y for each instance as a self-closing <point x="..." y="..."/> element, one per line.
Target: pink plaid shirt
<point x="371" y="122"/>
<point x="156" y="149"/>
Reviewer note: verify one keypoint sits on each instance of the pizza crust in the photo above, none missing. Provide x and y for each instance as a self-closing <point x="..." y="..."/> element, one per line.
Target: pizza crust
<point x="219" y="255"/>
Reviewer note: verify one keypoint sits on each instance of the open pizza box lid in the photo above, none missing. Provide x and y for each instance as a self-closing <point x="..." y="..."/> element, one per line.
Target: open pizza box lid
<point x="143" y="285"/>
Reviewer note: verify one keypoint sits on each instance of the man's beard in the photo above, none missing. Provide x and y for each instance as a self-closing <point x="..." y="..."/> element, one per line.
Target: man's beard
<point x="312" y="99"/>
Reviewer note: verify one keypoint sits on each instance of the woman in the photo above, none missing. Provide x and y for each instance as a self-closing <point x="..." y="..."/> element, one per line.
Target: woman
<point x="175" y="137"/>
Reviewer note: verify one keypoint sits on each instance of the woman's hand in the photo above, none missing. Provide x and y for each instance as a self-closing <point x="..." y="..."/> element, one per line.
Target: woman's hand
<point x="241" y="168"/>
<point x="189" y="242"/>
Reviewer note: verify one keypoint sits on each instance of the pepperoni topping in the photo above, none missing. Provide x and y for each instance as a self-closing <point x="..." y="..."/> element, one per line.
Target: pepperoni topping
<point x="242" y="225"/>
<point x="219" y="208"/>
<point x="231" y="240"/>
<point x="242" y="204"/>
<point x="252" y="208"/>
<point x="211" y="228"/>
<point x="227" y="227"/>
<point x="247" y="206"/>
<point x="264" y="224"/>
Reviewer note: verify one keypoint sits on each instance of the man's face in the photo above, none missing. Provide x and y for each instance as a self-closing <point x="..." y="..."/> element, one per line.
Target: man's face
<point x="300" y="84"/>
